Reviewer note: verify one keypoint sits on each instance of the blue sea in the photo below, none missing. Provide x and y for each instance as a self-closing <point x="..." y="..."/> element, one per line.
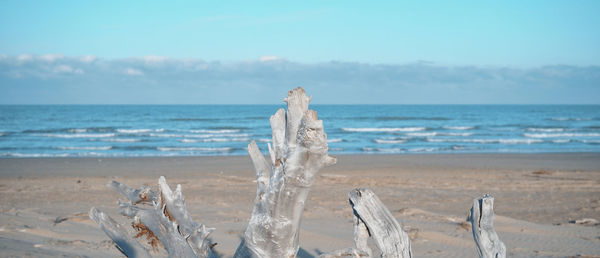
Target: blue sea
<point x="204" y="130"/>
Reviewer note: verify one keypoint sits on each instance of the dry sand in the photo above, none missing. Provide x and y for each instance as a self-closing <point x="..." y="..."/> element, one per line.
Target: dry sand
<point x="44" y="202"/>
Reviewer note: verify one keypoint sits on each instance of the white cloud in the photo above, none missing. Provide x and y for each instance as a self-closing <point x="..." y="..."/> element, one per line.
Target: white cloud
<point x="154" y="59"/>
<point x="342" y="82"/>
<point x="51" y="57"/>
<point x="270" y="58"/>
<point x="132" y="71"/>
<point x="88" y="58"/>
<point x="24" y="57"/>
<point x="67" y="69"/>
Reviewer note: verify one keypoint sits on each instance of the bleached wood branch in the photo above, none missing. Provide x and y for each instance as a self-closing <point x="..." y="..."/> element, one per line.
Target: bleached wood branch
<point x="135" y="196"/>
<point x="195" y="233"/>
<point x="118" y="234"/>
<point x="482" y="221"/>
<point x="372" y="218"/>
<point x="391" y="240"/>
<point x="361" y="236"/>
<point x="298" y="152"/>
<point x="165" y="220"/>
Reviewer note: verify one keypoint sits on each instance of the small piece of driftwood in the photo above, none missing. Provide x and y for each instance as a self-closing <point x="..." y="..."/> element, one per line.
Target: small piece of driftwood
<point x="482" y="223"/>
<point x="372" y="218"/>
<point x="298" y="152"/>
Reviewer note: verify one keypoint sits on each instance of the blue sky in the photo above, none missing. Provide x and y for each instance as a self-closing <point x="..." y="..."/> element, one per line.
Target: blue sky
<point x="80" y="51"/>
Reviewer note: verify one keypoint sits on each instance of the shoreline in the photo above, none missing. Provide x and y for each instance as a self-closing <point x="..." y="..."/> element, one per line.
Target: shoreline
<point x="120" y="166"/>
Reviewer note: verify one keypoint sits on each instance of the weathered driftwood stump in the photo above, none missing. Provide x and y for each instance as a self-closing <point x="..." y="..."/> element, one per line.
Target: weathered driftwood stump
<point x="482" y="223"/>
<point x="299" y="151"/>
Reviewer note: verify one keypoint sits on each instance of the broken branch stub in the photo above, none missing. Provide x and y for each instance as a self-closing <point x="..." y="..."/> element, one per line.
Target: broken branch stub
<point x="482" y="223"/>
<point x="391" y="240"/>
<point x="373" y="219"/>
<point x="298" y="152"/>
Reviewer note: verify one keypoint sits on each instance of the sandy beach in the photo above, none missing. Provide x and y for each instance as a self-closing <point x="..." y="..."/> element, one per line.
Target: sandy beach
<point x="44" y="203"/>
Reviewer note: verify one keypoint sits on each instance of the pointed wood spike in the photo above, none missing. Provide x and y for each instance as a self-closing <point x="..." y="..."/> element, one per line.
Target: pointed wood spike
<point x="261" y="165"/>
<point x="296" y="108"/>
<point x="277" y="121"/>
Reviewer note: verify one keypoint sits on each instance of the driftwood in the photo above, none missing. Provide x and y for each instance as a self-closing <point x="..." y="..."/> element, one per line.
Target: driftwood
<point x="482" y="222"/>
<point x="165" y="220"/>
<point x="372" y="218"/>
<point x="299" y="151"/>
<point x="284" y="181"/>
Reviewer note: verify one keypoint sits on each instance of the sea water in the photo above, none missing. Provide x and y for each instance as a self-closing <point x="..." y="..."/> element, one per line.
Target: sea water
<point x="201" y="130"/>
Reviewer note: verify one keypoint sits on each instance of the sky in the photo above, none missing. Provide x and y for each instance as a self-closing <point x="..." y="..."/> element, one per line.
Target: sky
<point x="341" y="52"/>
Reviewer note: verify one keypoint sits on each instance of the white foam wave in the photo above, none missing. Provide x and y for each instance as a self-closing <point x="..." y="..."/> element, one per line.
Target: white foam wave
<point x="422" y="134"/>
<point x="400" y="129"/>
<point x="217" y="140"/>
<point x="556" y="135"/>
<point x="34" y="155"/>
<point x="488" y="141"/>
<point x="264" y="140"/>
<point x="165" y="135"/>
<point x="383" y="150"/>
<point x="85" y="148"/>
<point x="136" y="131"/>
<point x="590" y="141"/>
<point x="225" y="149"/>
<point x="76" y="130"/>
<point x="422" y="149"/>
<point x="571" y="118"/>
<point x="102" y="135"/>
<point x="216" y="131"/>
<point x="458" y="127"/>
<point x="382" y="141"/>
<point x="120" y="140"/>
<point x="431" y="134"/>
<point x="197" y="135"/>
<point x="336" y="149"/>
<point x="455" y="134"/>
<point x="561" y="141"/>
<point x="547" y="130"/>
<point x="335" y="140"/>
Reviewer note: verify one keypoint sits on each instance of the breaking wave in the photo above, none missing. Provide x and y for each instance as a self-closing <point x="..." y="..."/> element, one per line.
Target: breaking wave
<point x="556" y="135"/>
<point x="398" y="129"/>
<point x="224" y="149"/>
<point x="459" y="127"/>
<point x="103" y="135"/>
<point x="382" y="141"/>
<point x="85" y="148"/>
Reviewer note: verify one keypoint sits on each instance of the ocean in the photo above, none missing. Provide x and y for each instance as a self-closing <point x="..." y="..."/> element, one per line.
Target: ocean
<point x="205" y="130"/>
